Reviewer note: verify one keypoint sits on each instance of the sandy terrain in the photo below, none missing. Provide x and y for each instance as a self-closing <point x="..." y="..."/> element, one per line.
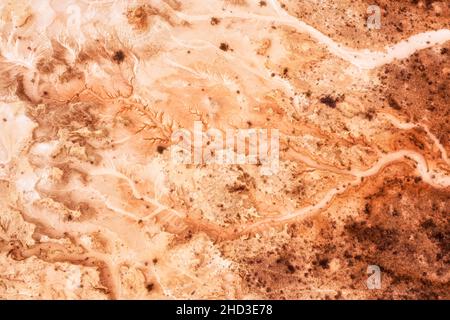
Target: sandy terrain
<point x="95" y="95"/>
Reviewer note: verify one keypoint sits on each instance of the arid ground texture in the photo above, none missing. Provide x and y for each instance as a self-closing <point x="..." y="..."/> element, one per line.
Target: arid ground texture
<point x="93" y="205"/>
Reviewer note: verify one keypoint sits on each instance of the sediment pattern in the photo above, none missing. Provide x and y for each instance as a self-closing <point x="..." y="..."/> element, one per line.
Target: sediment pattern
<point x="92" y="205"/>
